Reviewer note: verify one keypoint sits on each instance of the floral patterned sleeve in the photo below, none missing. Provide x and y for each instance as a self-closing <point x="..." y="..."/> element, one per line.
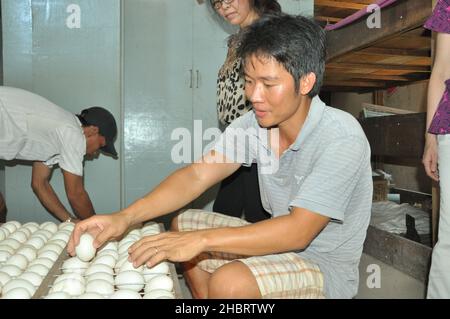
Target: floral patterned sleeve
<point x="439" y="21"/>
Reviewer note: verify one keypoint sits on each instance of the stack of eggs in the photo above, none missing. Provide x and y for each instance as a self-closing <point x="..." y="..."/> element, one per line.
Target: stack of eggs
<point x="108" y="273"/>
<point x="27" y="253"/>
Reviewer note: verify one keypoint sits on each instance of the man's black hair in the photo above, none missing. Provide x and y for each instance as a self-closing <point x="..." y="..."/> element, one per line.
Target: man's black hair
<point x="296" y="42"/>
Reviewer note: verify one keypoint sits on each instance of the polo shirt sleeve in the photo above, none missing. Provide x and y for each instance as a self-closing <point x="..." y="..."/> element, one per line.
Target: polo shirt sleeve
<point x="327" y="190"/>
<point x="72" y="150"/>
<point x="238" y="142"/>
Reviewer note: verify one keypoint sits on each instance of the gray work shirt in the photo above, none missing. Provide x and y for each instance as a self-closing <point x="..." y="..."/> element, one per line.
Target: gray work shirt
<point x="327" y="171"/>
<point x="34" y="129"/>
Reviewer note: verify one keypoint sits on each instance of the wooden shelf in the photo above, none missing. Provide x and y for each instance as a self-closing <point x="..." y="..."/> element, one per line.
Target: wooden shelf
<point x="362" y="59"/>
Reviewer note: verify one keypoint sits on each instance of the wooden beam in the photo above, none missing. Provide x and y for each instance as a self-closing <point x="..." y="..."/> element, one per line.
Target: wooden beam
<point x="395" y="52"/>
<point x="327" y="19"/>
<point x="367" y="76"/>
<point x="400" y="17"/>
<point x="365" y="66"/>
<point x="356" y="83"/>
<point x="339" y="4"/>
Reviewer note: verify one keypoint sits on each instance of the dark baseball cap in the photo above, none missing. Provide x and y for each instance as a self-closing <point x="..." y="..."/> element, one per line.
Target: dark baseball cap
<point x="104" y="120"/>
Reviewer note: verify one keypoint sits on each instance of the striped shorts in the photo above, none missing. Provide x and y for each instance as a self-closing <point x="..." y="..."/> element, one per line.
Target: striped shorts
<point x="284" y="275"/>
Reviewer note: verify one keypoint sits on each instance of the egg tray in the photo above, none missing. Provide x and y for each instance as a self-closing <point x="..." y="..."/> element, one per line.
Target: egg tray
<point x="56" y="270"/>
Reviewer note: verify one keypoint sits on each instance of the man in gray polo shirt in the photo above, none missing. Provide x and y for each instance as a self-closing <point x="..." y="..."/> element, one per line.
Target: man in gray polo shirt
<point x="315" y="180"/>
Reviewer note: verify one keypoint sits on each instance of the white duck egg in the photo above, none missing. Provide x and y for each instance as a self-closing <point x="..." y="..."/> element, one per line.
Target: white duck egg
<point x="18" y="260"/>
<point x="17" y="293"/>
<point x="153" y="228"/>
<point x="111" y="245"/>
<point x="74" y="264"/>
<point x="58" y="295"/>
<point x="150" y="224"/>
<point x="5" y="254"/>
<point x="125" y="294"/>
<point x="148" y="277"/>
<point x="126" y="266"/>
<point x="100" y="286"/>
<point x="14" y="244"/>
<point x="130" y="237"/>
<point x="62" y="235"/>
<point x="49" y="254"/>
<point x="121" y="261"/>
<point x="17" y="283"/>
<point x="10" y="226"/>
<point x="4" y="278"/>
<point x="59" y="242"/>
<point x="72" y="286"/>
<point x="52" y="247"/>
<point x="48" y="263"/>
<point x="161" y="268"/>
<point x="28" y="251"/>
<point x="131" y="280"/>
<point x="50" y="226"/>
<point x="66" y="276"/>
<point x="32" y="277"/>
<point x="90" y="295"/>
<point x="109" y="252"/>
<point x="32" y="226"/>
<point x="24" y="231"/>
<point x="36" y="242"/>
<point x="39" y="269"/>
<point x="66" y="225"/>
<point x="150" y="232"/>
<point x="159" y="294"/>
<point x="123" y="248"/>
<point x="15" y="223"/>
<point x="11" y="270"/>
<point x="48" y="234"/>
<point x="85" y="249"/>
<point x="5" y="230"/>
<point x="2" y="234"/>
<point x="159" y="282"/>
<point x="99" y="268"/>
<point x="40" y="236"/>
<point x="6" y="247"/>
<point x="101" y="275"/>
<point x="107" y="260"/>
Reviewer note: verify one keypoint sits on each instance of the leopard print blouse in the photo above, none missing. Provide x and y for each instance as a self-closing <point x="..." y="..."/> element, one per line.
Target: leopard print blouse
<point x="231" y="101"/>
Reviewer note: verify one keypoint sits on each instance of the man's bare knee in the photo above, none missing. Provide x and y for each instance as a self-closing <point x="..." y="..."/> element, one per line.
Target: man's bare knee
<point x="231" y="281"/>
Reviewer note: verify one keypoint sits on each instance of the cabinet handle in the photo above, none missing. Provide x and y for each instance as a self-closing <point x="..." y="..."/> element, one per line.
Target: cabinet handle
<point x="191" y="79"/>
<point x="198" y="78"/>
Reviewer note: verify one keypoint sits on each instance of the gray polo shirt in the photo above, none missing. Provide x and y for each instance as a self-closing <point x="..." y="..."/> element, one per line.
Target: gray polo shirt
<point x="327" y="171"/>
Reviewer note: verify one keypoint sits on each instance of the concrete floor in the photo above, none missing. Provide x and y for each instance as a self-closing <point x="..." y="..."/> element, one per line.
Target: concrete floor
<point x="393" y="284"/>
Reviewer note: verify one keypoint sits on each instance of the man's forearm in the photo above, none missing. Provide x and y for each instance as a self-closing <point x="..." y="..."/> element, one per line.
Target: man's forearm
<point x="262" y="238"/>
<point x="82" y="205"/>
<point x="51" y="202"/>
<point x="175" y="192"/>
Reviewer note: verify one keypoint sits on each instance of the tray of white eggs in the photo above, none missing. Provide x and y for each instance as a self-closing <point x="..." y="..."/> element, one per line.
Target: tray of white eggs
<point x="34" y="264"/>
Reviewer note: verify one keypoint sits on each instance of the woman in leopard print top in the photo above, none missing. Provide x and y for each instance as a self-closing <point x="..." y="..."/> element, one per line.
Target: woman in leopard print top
<point x="239" y="193"/>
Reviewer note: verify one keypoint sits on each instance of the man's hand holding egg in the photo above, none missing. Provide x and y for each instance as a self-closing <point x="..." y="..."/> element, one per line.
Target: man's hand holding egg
<point x="85" y="249"/>
<point x="101" y="227"/>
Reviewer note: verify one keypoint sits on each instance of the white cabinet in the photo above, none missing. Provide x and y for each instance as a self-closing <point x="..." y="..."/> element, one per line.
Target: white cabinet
<point x="172" y="52"/>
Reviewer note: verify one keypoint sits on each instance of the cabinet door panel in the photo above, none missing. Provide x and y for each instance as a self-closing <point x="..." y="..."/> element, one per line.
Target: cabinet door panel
<point x="157" y="98"/>
<point x="210" y="49"/>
